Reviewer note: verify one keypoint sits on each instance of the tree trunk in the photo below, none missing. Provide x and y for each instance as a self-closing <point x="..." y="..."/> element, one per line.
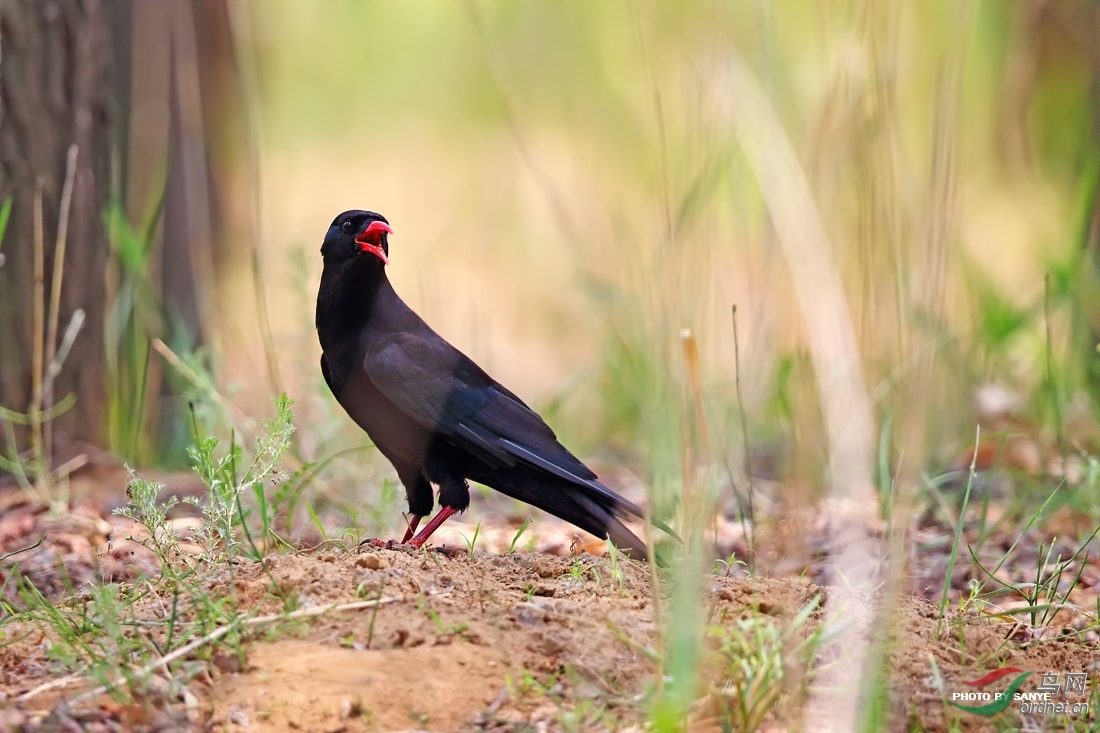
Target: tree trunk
<point x="55" y="91"/>
<point x="189" y="120"/>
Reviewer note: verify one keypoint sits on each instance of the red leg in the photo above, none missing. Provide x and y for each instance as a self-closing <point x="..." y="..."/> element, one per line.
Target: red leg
<point x="444" y="514"/>
<point x="411" y="528"/>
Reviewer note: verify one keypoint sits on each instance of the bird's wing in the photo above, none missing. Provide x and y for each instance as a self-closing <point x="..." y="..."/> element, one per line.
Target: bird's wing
<point x="444" y="390"/>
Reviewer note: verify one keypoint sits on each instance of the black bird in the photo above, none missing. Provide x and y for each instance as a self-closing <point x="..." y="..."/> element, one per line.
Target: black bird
<point x="434" y="413"/>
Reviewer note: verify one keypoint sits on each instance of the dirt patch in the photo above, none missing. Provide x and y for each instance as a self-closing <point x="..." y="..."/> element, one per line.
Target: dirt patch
<point x="508" y="641"/>
<point x="469" y="632"/>
<point x="305" y="684"/>
<point x="536" y="639"/>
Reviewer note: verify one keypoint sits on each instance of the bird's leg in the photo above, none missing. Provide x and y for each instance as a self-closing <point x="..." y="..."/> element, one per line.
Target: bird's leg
<point x="444" y="514"/>
<point x="413" y="522"/>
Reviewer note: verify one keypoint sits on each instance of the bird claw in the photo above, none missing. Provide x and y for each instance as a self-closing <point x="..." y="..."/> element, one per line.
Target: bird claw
<point x="396" y="545"/>
<point x="374" y="542"/>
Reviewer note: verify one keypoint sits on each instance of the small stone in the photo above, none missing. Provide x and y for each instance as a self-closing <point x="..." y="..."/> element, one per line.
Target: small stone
<point x="371" y="562"/>
<point x="227" y="662"/>
<point x="191" y="705"/>
<point x="328" y="557"/>
<point x="512" y="716"/>
<point x="239" y="717"/>
<point x="348" y="709"/>
<point x="545" y="568"/>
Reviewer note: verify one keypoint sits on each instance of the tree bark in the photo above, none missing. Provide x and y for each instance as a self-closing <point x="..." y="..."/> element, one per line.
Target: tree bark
<point x="55" y="91"/>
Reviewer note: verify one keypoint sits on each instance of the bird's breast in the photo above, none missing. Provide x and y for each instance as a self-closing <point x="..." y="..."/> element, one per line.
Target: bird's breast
<point x="397" y="436"/>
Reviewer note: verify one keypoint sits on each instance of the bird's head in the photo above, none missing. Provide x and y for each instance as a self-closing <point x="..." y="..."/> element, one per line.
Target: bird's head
<point x="355" y="234"/>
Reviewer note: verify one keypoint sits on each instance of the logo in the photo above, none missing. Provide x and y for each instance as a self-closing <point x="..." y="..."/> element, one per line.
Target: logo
<point x="1049" y="698"/>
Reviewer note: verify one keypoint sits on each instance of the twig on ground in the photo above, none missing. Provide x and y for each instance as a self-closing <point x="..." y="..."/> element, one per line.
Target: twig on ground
<point x="211" y="637"/>
<point x="51" y="685"/>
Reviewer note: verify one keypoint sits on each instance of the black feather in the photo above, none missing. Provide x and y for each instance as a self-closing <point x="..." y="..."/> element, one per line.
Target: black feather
<point x="434" y="413"/>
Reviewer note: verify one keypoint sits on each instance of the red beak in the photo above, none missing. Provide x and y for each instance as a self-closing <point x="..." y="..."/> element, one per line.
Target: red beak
<point x="371" y="240"/>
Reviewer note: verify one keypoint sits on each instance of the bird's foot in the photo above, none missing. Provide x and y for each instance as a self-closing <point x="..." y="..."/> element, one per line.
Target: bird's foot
<point x="417" y="541"/>
<point x="374" y="542"/>
<point x="408" y="547"/>
<point x="413" y="521"/>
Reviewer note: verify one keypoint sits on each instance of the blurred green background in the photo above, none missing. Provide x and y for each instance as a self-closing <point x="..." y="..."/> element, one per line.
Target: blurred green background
<point x="569" y="191"/>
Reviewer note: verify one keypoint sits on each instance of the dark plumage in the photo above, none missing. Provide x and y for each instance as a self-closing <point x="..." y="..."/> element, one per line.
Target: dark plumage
<point x="434" y="413"/>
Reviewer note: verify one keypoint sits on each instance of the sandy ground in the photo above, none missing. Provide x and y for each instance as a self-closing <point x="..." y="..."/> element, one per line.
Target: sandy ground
<point x="547" y="638"/>
<point x="514" y="642"/>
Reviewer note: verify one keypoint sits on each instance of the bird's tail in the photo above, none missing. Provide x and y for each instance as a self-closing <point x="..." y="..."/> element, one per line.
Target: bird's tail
<point x="612" y="527"/>
<point x="576" y="504"/>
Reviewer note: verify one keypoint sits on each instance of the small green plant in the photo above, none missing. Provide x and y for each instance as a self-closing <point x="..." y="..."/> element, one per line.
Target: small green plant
<point x="724" y="567"/>
<point x="594" y="573"/>
<point x="144" y="509"/>
<point x="228" y="479"/>
<point x="529" y="683"/>
<point x="471" y="542"/>
<point x="1048" y="592"/>
<point x="133" y="321"/>
<point x="618" y="580"/>
<point x="519" y="533"/>
<point x="577" y="570"/>
<point x="755" y="656"/>
<point x="441" y="628"/>
<point x="953" y="557"/>
<point x="99" y="635"/>
<point x="105" y="635"/>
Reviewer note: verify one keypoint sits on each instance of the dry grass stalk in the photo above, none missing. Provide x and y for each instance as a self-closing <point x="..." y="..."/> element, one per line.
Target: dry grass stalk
<point x="55" y="291"/>
<point x="38" y="322"/>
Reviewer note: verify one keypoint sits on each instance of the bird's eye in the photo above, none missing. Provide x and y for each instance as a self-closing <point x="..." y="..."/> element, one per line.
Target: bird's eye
<point x="347" y="226"/>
